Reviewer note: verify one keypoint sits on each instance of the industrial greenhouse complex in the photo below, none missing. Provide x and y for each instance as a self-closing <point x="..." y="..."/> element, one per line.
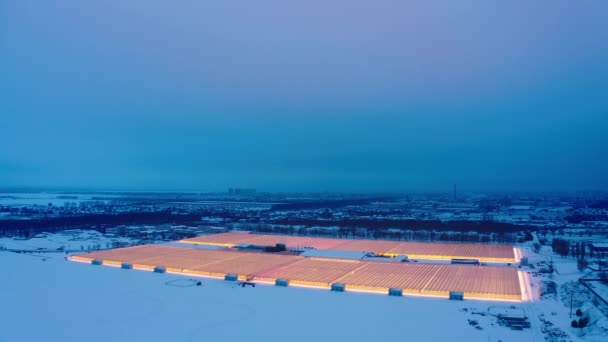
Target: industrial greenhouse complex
<point x="485" y="272"/>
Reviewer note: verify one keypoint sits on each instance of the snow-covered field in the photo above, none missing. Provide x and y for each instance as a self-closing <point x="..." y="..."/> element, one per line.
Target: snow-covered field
<point x="552" y="311"/>
<point x="47" y="298"/>
<point x="58" y="300"/>
<point x="600" y="287"/>
<point x="67" y="240"/>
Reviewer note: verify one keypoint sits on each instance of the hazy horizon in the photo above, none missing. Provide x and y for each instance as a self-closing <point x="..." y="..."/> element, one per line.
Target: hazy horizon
<point x="348" y="96"/>
<point x="447" y="191"/>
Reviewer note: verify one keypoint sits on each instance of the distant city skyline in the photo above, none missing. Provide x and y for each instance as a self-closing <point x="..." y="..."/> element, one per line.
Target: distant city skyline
<point x="346" y="96"/>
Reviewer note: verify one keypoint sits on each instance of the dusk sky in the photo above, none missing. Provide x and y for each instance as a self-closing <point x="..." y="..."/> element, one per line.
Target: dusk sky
<point x="304" y="95"/>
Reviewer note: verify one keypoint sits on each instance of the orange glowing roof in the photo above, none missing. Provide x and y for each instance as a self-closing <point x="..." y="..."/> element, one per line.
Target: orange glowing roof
<point x="418" y="250"/>
<point x="133" y="254"/>
<point x="484" y="282"/>
<point x="410" y="277"/>
<point x="312" y="271"/>
<point x="249" y="264"/>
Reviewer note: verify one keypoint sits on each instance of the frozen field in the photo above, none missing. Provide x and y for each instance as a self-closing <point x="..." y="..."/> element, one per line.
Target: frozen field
<point x="47" y="298"/>
<point x="58" y="300"/>
<point x="67" y="240"/>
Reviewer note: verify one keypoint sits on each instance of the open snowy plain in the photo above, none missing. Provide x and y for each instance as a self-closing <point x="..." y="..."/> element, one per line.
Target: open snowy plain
<point x="47" y="298"/>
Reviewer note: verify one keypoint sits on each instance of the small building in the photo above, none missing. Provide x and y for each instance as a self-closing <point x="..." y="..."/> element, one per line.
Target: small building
<point x="249" y="247"/>
<point x="395" y="292"/>
<point x="335" y="254"/>
<point x="456" y="295"/>
<point x="159" y="269"/>
<point x="279" y="247"/>
<point x="338" y="287"/>
<point x="126" y="266"/>
<point x="231" y="277"/>
<point x="97" y="262"/>
<point x="281" y="282"/>
<point x="515" y="322"/>
<point x="465" y="261"/>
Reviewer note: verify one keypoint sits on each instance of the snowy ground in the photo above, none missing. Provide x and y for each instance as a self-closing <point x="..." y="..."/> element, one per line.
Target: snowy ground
<point x="71" y="301"/>
<point x="67" y="240"/>
<point x="551" y="312"/>
<point x="58" y="300"/>
<point x="600" y="287"/>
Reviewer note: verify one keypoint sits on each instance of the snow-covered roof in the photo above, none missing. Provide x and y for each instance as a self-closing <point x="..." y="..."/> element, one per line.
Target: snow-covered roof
<point x="333" y="254"/>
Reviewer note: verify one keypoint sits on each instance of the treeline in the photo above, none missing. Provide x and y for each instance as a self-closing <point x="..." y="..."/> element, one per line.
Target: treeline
<point x="98" y="222"/>
<point x="599" y="204"/>
<point x="576" y="249"/>
<point x="580" y="217"/>
<point x="409" y="224"/>
<point x="561" y="247"/>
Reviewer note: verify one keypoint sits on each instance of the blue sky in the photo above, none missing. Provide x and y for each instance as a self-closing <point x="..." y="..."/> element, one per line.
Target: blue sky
<point x="304" y="95"/>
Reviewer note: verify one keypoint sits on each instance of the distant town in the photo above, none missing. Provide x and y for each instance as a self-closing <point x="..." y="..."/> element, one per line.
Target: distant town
<point x="450" y="217"/>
